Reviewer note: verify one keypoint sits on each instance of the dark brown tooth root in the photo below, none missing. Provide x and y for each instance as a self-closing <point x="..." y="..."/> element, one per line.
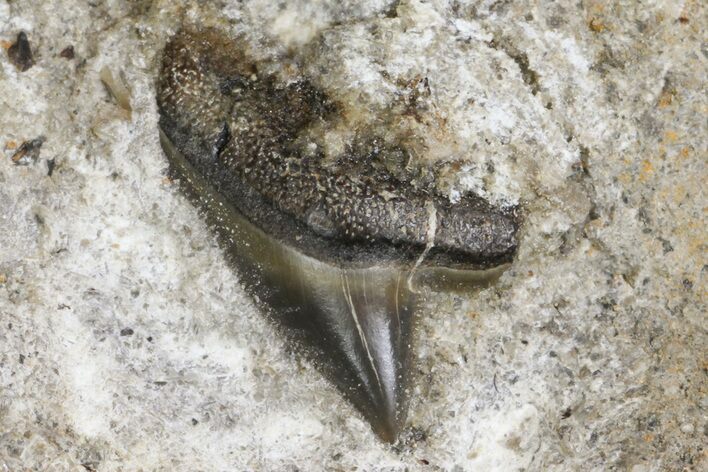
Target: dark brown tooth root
<point x="255" y="124"/>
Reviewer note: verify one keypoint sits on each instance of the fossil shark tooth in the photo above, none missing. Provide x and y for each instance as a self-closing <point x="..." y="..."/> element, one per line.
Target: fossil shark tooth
<point x="354" y="321"/>
<point x="335" y="254"/>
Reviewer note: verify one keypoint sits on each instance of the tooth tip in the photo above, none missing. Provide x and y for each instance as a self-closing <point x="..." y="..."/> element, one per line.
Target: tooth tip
<point x="387" y="433"/>
<point x="385" y="418"/>
<point x="389" y="426"/>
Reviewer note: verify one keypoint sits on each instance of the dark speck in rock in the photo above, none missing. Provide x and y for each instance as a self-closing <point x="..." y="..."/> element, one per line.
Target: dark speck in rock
<point x="555" y="21"/>
<point x="67" y="52"/>
<point x="149" y="338"/>
<point x="392" y="11"/>
<point x="20" y="53"/>
<point x="566" y="413"/>
<point x="194" y="422"/>
<point x="666" y="245"/>
<point x="22" y="358"/>
<point x="409" y="438"/>
<point x="51" y="163"/>
<point x="653" y="422"/>
<point x="28" y="151"/>
<point x="126" y="332"/>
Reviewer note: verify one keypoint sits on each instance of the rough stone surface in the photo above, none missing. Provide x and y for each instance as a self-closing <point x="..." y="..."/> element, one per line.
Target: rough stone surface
<point x="127" y="343"/>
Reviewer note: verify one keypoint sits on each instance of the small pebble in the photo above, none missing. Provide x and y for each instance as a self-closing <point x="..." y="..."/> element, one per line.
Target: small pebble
<point x="687" y="428"/>
<point x="20" y="53"/>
